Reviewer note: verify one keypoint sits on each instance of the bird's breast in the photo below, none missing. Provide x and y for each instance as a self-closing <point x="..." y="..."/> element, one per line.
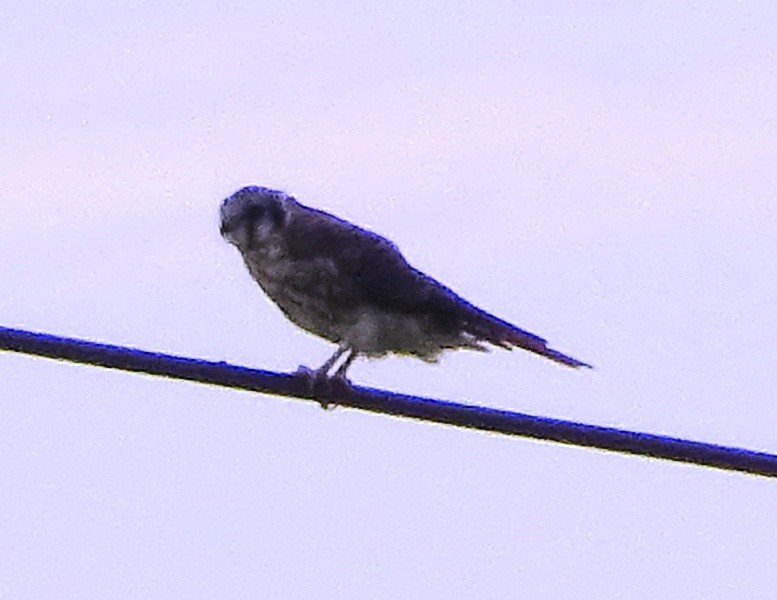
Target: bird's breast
<point x="307" y="291"/>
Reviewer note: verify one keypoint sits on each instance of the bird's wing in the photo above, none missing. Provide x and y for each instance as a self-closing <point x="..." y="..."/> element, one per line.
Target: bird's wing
<point x="369" y="264"/>
<point x="376" y="273"/>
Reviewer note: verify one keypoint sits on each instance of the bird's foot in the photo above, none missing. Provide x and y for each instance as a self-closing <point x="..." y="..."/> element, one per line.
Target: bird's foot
<point x="304" y="372"/>
<point x="323" y="387"/>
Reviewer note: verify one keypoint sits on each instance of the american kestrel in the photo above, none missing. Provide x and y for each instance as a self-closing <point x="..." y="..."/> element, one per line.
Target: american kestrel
<point x="354" y="288"/>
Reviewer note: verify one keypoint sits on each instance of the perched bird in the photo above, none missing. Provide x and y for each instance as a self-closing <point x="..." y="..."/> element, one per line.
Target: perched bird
<point x="354" y="288"/>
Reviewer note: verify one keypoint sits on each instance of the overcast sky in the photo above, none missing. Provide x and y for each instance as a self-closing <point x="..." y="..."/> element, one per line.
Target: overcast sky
<point x="602" y="174"/>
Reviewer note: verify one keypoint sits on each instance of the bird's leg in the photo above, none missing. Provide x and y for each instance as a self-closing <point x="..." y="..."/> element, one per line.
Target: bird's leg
<point x="322" y="371"/>
<point x="340" y="373"/>
<point x="337" y="385"/>
<point x="327" y="366"/>
<point x="319" y="382"/>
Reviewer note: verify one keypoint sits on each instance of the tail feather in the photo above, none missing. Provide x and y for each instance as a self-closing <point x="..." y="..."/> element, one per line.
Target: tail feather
<point x="564" y="359"/>
<point x="493" y="330"/>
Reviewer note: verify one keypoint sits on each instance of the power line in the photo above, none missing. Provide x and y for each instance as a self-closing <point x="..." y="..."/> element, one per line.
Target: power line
<point x="381" y="401"/>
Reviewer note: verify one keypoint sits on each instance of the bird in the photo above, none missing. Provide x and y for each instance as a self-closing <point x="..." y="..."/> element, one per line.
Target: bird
<point x="353" y="287"/>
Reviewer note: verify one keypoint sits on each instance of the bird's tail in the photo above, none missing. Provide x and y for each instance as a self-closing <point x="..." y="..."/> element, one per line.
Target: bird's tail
<point x="494" y="330"/>
<point x="564" y="359"/>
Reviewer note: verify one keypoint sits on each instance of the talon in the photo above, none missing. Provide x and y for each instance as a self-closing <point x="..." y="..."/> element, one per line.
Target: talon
<point x="318" y="385"/>
<point x="340" y="385"/>
<point x="303" y="371"/>
<point x="324" y="387"/>
<point x="323" y="390"/>
<point x="307" y="375"/>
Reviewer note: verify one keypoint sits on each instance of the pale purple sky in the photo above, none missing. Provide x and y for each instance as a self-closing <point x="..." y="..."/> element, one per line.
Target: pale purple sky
<point x="602" y="174"/>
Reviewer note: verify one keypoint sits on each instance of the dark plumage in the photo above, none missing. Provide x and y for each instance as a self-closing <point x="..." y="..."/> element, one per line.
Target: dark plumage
<point x="354" y="287"/>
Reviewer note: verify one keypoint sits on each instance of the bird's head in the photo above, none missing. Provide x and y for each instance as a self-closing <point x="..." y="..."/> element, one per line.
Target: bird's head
<point x="252" y="214"/>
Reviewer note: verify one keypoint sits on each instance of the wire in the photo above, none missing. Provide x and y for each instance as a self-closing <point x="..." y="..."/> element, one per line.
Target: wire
<point x="327" y="392"/>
